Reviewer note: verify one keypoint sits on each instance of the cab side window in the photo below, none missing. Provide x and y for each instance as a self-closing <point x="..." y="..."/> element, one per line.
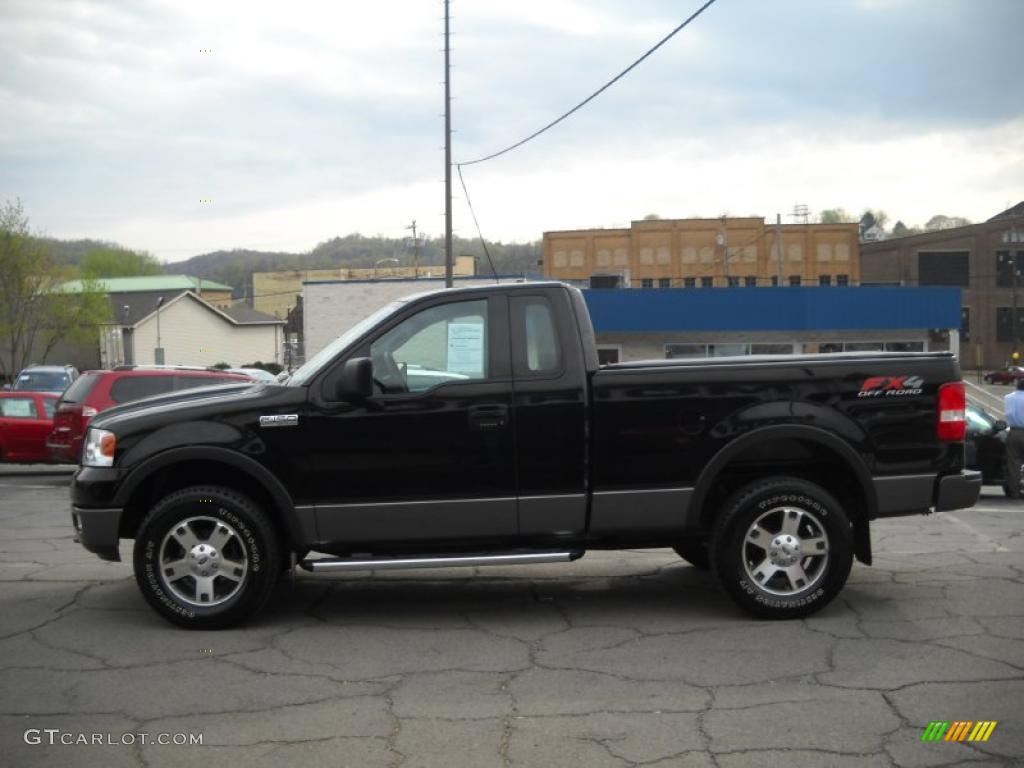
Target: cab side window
<point x="539" y="352"/>
<point x="438" y="345"/>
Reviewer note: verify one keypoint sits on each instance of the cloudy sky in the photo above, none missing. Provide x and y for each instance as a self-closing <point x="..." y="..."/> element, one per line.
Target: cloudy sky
<point x="304" y="120"/>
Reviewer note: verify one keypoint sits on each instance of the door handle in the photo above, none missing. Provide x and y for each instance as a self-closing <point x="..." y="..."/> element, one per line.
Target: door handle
<point x="488" y="418"/>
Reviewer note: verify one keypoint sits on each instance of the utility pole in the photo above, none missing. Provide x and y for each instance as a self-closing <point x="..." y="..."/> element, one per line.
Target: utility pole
<point x="778" y="243"/>
<point x="723" y="241"/>
<point x="448" y="262"/>
<point x="415" y="250"/>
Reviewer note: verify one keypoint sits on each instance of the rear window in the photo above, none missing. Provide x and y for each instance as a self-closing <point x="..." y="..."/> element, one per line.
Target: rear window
<point x="129" y="388"/>
<point x="50" y="406"/>
<point x="80" y="390"/>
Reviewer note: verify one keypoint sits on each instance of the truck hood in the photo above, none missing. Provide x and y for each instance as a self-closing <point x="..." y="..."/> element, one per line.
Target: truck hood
<point x="181" y="402"/>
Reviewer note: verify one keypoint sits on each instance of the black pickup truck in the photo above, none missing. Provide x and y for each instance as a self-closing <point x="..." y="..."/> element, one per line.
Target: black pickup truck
<point x="475" y="426"/>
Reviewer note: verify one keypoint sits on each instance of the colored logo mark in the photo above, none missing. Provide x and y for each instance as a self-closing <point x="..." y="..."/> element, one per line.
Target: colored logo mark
<point x="959" y="730"/>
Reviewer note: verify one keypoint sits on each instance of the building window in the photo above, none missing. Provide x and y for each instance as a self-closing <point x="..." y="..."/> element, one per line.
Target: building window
<point x="824" y="279"/>
<point x="664" y="282"/>
<point x="842" y="280"/>
<point x="647" y="282"/>
<point x="771" y="349"/>
<point x="707" y="282"/>
<point x="684" y="351"/>
<point x="965" y="324"/>
<point x="1004" y="322"/>
<point x="689" y="282"/>
<point x="775" y="281"/>
<point x="750" y="281"/>
<point x="607" y="355"/>
<point x="943" y="268"/>
<point x="733" y="282"/>
<point x="794" y="280"/>
<point x="1004" y="273"/>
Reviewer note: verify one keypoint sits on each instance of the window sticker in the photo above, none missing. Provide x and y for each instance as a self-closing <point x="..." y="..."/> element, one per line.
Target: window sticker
<point x="466" y="349"/>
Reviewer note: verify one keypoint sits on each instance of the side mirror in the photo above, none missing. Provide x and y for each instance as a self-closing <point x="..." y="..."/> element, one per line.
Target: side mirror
<point x="356" y="379"/>
<point x="999" y="426"/>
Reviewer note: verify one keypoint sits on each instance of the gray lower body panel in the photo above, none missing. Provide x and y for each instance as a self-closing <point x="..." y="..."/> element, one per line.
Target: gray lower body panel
<point x="641" y="511"/>
<point x="417" y="520"/>
<point x="557" y="515"/>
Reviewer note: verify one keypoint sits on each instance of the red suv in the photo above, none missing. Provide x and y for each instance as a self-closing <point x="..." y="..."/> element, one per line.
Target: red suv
<point x="95" y="391"/>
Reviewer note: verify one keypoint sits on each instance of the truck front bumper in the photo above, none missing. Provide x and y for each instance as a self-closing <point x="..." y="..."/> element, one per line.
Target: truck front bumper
<point x="95" y="514"/>
<point x="96" y="530"/>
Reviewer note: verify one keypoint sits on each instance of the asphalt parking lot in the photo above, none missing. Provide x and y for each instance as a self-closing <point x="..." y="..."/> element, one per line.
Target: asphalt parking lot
<point x="619" y="659"/>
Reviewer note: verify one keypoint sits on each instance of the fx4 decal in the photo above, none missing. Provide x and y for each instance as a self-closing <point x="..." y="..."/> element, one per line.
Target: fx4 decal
<point x="891" y="386"/>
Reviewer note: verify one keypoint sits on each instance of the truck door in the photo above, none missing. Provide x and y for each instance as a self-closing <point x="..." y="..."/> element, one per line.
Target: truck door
<point x="550" y="416"/>
<point x="430" y="456"/>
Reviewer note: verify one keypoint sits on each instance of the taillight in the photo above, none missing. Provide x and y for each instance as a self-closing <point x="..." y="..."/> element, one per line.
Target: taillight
<point x="951" y="424"/>
<point x="88" y="412"/>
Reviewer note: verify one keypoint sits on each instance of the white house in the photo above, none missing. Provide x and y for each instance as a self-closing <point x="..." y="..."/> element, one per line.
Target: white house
<point x="194" y="332"/>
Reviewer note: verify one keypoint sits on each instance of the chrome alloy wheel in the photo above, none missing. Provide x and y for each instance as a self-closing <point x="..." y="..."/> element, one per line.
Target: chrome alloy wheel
<point x="203" y="561"/>
<point x="785" y="551"/>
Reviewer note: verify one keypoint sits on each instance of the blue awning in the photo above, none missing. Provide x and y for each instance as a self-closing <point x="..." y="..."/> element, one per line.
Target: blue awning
<point x="640" y="310"/>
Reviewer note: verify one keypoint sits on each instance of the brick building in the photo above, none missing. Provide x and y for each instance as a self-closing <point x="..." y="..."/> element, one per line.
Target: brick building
<point x="985" y="260"/>
<point x="704" y="253"/>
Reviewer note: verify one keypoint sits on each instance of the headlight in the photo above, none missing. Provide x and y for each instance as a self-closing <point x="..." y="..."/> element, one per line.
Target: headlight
<point x="99" y="449"/>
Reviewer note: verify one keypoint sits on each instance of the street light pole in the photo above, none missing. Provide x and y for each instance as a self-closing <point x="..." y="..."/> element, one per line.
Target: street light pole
<point x="158" y="353"/>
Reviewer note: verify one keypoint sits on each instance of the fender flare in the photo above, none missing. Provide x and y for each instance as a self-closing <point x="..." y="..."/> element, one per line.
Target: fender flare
<point x="284" y="506"/>
<point x="862" y="535"/>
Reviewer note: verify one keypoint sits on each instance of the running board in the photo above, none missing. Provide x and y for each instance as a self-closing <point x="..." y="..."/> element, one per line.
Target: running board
<point x="434" y="561"/>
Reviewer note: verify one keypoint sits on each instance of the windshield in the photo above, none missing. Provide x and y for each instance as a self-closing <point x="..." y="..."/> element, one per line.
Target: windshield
<point x="42" y="381"/>
<point x="328" y="353"/>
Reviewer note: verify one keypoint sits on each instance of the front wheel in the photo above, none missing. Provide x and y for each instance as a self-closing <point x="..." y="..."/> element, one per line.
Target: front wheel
<point x="783" y="548"/>
<point x="206" y="557"/>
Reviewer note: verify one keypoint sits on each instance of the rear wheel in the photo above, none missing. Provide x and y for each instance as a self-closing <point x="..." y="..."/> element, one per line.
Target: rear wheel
<point x="206" y="557"/>
<point x="783" y="548"/>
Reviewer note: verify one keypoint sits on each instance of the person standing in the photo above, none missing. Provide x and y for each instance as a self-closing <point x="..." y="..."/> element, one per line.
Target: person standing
<point x="1013" y="404"/>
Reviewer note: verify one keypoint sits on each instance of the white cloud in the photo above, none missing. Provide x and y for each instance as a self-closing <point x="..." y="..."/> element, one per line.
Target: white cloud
<point x="318" y="118"/>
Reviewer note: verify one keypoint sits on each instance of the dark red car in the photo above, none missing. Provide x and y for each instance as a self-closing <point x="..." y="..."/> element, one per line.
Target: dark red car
<point x="26" y="419"/>
<point x="1008" y="376"/>
<point x="95" y="391"/>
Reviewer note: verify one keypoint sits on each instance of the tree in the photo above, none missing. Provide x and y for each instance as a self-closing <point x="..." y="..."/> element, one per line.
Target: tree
<point x="880" y="217"/>
<point x="35" y="312"/>
<point x="835" y="216"/>
<point x="652" y="217"/>
<point x="902" y="230"/>
<point x="105" y="261"/>
<point x="938" y="222"/>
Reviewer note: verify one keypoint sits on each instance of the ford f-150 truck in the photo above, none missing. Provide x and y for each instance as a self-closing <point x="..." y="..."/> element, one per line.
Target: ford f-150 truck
<point x="475" y="426"/>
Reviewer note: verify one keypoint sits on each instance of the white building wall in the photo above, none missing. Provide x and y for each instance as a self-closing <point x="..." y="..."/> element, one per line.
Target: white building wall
<point x="331" y="308"/>
<point x="193" y="335"/>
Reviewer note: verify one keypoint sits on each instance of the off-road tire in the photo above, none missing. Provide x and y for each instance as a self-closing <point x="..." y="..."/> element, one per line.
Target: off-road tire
<point x="741" y="564"/>
<point x="248" y="540"/>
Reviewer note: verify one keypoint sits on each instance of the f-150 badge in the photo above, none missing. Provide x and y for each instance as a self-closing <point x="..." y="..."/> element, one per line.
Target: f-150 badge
<point x="891" y="386"/>
<point x="280" y="420"/>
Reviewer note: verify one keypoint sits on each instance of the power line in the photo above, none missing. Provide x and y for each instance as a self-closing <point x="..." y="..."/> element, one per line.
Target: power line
<point x="596" y="93"/>
<point x="472" y="213"/>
